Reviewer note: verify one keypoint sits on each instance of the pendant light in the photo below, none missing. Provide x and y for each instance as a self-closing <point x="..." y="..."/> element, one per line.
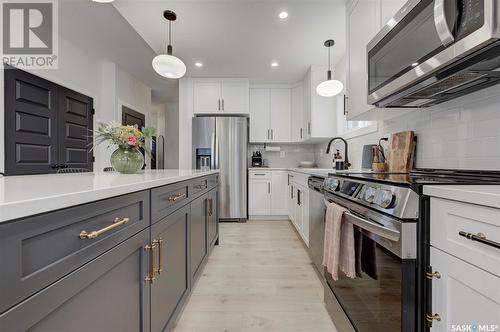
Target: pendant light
<point x="329" y="88"/>
<point x="168" y="65"/>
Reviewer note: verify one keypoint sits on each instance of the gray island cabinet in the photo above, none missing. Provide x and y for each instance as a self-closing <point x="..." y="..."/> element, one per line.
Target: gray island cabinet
<point x="125" y="263"/>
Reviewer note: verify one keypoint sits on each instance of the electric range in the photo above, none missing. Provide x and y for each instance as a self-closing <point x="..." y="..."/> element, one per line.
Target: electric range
<point x="390" y="215"/>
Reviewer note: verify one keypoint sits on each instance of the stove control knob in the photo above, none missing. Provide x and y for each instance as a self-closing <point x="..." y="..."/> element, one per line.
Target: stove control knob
<point x="385" y="199"/>
<point x="331" y="184"/>
<point x="369" y="194"/>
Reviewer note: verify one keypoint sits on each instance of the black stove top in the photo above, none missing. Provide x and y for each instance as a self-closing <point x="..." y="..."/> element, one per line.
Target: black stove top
<point x="420" y="177"/>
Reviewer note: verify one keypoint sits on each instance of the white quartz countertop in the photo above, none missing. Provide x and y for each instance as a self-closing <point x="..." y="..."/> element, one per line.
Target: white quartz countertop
<point x="26" y="195"/>
<point x="487" y="195"/>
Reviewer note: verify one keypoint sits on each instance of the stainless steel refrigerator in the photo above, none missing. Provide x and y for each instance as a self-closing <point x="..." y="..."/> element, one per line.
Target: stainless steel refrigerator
<point x="221" y="143"/>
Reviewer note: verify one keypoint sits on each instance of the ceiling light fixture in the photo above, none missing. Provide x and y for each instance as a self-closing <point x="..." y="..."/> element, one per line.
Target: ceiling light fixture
<point x="168" y="65"/>
<point x="198" y="64"/>
<point x="274" y="64"/>
<point x="103" y="1"/>
<point x="283" y="15"/>
<point x="329" y="88"/>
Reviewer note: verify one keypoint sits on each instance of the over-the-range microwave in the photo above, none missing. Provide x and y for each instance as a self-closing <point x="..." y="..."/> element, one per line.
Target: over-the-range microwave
<point x="432" y="51"/>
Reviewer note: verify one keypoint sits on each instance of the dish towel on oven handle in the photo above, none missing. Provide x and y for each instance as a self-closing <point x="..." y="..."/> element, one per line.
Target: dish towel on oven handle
<point x="338" y="251"/>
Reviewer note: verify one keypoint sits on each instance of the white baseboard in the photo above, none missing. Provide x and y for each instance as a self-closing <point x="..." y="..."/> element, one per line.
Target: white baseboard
<point x="268" y="218"/>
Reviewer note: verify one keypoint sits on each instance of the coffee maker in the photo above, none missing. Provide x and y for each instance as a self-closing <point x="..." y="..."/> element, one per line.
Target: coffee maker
<point x="257" y="159"/>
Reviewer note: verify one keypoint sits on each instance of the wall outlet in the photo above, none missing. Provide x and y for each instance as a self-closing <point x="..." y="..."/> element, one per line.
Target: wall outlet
<point x="282" y="154"/>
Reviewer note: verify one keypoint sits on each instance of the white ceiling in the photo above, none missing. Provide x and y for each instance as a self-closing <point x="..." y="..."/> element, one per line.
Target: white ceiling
<point x="240" y="38"/>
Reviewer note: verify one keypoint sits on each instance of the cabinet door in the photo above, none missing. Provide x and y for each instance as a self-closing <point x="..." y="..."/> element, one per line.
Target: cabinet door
<point x="259" y="197"/>
<point x="30" y="123"/>
<point x="171" y="238"/>
<point x="362" y="25"/>
<point x="463" y="295"/>
<point x="280" y="115"/>
<point x="213" y="216"/>
<point x="299" y="125"/>
<point x="291" y="200"/>
<point x="279" y="193"/>
<point x="259" y="115"/>
<point x="75" y="122"/>
<point x="199" y="247"/>
<point x="299" y="194"/>
<point x="207" y="97"/>
<point x="235" y="97"/>
<point x="305" y="215"/>
<point x="107" y="294"/>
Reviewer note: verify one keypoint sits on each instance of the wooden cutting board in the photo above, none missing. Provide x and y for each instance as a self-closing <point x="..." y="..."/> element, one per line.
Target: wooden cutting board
<point x="402" y="152"/>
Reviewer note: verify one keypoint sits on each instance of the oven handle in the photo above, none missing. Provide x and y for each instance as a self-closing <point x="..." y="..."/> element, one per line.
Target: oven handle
<point x="373" y="227"/>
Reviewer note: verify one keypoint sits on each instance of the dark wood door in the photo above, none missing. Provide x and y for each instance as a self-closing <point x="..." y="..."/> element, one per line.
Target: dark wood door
<point x="133" y="118"/>
<point x="171" y="287"/>
<point x="30" y="123"/>
<point x="75" y="129"/>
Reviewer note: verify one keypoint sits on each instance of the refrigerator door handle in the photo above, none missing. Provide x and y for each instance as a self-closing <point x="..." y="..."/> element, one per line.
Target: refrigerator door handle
<point x="216" y="151"/>
<point x="212" y="152"/>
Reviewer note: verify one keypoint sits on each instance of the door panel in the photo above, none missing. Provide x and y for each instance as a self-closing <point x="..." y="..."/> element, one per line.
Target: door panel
<point x="279" y="193"/>
<point x="213" y="224"/>
<point x="207" y="97"/>
<point x="260" y="198"/>
<point x="203" y="140"/>
<point x="280" y="115"/>
<point x="235" y="97"/>
<point x="172" y="284"/>
<point x="30" y="123"/>
<point x="198" y="240"/>
<point x="75" y="129"/>
<point x="259" y="115"/>
<point x="231" y="160"/>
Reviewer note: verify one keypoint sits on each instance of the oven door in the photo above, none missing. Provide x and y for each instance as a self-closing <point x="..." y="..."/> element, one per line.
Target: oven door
<point x="382" y="296"/>
<point x="423" y="37"/>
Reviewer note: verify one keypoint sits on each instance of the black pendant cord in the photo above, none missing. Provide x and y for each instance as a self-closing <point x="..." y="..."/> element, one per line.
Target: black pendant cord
<point x="169" y="46"/>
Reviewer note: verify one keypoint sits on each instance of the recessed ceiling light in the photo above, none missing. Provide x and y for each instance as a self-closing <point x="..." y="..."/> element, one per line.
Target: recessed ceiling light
<point x="283" y="15"/>
<point x="198" y="64"/>
<point x="414" y="64"/>
<point x="103" y="1"/>
<point x="274" y="64"/>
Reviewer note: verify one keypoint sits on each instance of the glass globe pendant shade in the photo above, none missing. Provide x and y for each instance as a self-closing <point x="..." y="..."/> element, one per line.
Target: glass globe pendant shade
<point x="329" y="88"/>
<point x="169" y="66"/>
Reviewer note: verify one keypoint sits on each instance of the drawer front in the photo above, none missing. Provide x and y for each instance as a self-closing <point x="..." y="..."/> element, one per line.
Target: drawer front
<point x="449" y="218"/>
<point x="198" y="186"/>
<point x="167" y="199"/>
<point x="213" y="181"/>
<point x="41" y="249"/>
<point x="299" y="178"/>
<point x="263" y="175"/>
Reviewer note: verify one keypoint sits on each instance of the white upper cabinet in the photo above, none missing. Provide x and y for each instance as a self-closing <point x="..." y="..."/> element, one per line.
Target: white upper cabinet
<point x="299" y="124"/>
<point x="235" y="96"/>
<point x="270" y="115"/>
<point x="280" y="115"/>
<point x="364" y="20"/>
<point x="207" y="97"/>
<point x="259" y="115"/>
<point x="213" y="96"/>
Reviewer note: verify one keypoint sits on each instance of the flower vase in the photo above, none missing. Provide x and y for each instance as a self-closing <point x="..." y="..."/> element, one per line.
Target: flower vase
<point x="127" y="161"/>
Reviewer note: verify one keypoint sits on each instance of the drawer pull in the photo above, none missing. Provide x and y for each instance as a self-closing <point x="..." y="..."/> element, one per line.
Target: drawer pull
<point x="84" y="235"/>
<point x="431" y="275"/>
<point x="210" y="207"/>
<point x="479" y="237"/>
<point x="431" y="318"/>
<point x="159" y="270"/>
<point x="259" y="174"/>
<point x="151" y="273"/>
<point x="175" y="198"/>
<point x="200" y="186"/>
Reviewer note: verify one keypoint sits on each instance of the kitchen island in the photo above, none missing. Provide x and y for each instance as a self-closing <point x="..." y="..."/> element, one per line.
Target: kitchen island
<point x="118" y="252"/>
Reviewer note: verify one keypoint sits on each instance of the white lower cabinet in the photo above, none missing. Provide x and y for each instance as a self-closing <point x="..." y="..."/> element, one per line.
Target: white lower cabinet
<point x="298" y="204"/>
<point x="463" y="295"/>
<point x="267" y="194"/>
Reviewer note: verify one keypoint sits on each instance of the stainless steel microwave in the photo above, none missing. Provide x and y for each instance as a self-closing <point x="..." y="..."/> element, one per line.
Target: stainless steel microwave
<point x="432" y="51"/>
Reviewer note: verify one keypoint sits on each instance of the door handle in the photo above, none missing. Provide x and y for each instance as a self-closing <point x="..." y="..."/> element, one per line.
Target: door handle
<point x="445" y="20"/>
<point x="268" y="135"/>
<point x="218" y="104"/>
<point x="382" y="231"/>
<point x="269" y="187"/>
<point x="272" y="134"/>
<point x="481" y="238"/>
<point x="300" y="132"/>
<point x="223" y="104"/>
<point x="159" y="270"/>
<point x="151" y="273"/>
<point x="309" y="128"/>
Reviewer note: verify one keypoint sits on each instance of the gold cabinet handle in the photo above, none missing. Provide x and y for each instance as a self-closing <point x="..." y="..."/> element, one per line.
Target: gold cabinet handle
<point x="431" y="275"/>
<point x="433" y="317"/>
<point x="211" y="207"/>
<point x="84" y="235"/>
<point x="159" y="270"/>
<point x="151" y="273"/>
<point x="175" y="198"/>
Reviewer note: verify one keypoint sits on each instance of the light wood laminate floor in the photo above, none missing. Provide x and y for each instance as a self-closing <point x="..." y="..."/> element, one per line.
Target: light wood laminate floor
<point x="259" y="278"/>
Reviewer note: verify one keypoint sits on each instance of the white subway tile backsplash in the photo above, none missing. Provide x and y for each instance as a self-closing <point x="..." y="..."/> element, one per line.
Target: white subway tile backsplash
<point x="461" y="134"/>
